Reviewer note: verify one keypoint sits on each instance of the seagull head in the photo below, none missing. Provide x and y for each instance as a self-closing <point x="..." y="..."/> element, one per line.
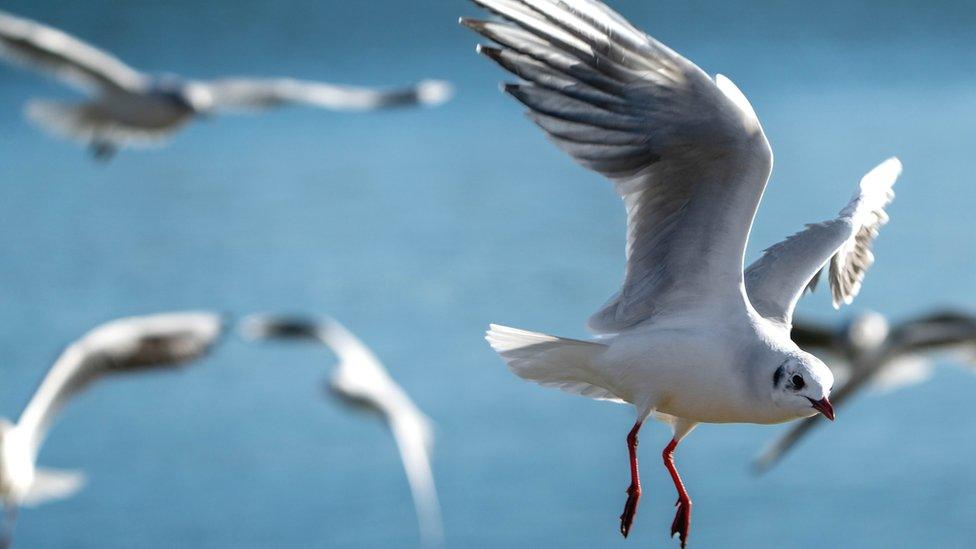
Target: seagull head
<point x="187" y="96"/>
<point x="801" y="385"/>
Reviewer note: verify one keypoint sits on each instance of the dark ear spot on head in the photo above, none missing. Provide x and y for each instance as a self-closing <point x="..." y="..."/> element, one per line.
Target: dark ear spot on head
<point x="778" y="374"/>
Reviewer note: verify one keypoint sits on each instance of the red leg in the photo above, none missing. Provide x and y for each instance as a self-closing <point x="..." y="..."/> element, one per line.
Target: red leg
<point x="634" y="492"/>
<point x="682" y="519"/>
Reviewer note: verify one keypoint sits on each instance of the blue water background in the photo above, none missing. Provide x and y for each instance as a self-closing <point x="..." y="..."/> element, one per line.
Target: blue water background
<point x="417" y="229"/>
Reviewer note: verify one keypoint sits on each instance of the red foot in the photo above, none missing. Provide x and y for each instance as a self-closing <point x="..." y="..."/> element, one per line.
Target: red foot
<point x="634" y="492"/>
<point x="630" y="508"/>
<point x="682" y="521"/>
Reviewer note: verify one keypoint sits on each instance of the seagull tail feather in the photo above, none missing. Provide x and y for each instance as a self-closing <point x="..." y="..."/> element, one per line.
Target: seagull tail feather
<point x="53" y="484"/>
<point x="550" y="361"/>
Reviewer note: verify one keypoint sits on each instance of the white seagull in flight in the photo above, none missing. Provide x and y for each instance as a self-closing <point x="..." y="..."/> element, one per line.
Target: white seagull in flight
<point x="361" y="381"/>
<point x="122" y="346"/>
<point x="132" y="108"/>
<point x="868" y="352"/>
<point x="690" y="337"/>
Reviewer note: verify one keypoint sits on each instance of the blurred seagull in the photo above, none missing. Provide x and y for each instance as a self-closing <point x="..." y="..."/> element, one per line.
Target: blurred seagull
<point x="868" y="353"/>
<point x="132" y="108"/>
<point x="361" y="381"/>
<point x="122" y="346"/>
<point x="690" y="337"/>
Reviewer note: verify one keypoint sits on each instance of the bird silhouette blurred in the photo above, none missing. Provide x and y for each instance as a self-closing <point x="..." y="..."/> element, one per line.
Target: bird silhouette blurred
<point x="868" y="352"/>
<point x="361" y="382"/>
<point x="130" y="108"/>
<point x="128" y="345"/>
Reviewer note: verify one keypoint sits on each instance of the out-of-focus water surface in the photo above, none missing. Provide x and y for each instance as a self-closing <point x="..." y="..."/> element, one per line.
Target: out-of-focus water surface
<point x="417" y="228"/>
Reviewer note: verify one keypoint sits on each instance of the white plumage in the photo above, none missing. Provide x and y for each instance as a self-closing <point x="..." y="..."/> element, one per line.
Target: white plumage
<point x="690" y="337"/>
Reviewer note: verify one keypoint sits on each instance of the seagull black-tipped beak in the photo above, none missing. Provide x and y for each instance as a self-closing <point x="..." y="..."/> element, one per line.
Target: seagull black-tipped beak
<point x="823" y="406"/>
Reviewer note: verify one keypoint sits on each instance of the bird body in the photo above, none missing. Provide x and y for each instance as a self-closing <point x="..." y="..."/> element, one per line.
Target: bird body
<point x="691" y="336"/>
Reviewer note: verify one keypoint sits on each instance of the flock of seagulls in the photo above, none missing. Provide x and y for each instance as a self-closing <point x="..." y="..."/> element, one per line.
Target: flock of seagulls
<point x="171" y="340"/>
<point x="691" y="337"/>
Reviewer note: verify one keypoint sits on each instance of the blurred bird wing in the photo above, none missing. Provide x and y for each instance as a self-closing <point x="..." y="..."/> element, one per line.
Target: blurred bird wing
<point x="41" y="47"/>
<point x="361" y="376"/>
<point x="904" y="371"/>
<point x="774" y="451"/>
<point x="777" y="280"/>
<point x="121" y="346"/>
<point x="809" y="335"/>
<point x="414" y="439"/>
<point x="256" y="94"/>
<point x="52" y="484"/>
<point x="685" y="152"/>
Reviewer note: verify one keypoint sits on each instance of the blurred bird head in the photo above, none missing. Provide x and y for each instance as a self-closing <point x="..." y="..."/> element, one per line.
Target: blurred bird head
<point x="801" y="385"/>
<point x="867" y="331"/>
<point x="262" y="326"/>
<point x="191" y="97"/>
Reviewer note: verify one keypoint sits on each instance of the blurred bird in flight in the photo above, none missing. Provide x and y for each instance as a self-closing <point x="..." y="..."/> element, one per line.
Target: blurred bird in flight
<point x="128" y="107"/>
<point x="868" y="352"/>
<point x="690" y="337"/>
<point x="128" y="345"/>
<point x="361" y="382"/>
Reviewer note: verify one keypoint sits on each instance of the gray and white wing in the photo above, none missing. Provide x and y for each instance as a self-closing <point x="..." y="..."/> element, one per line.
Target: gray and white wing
<point x="777" y="280"/>
<point x="237" y="94"/>
<point x="41" y="47"/>
<point x="685" y="152"/>
<point x="122" y="346"/>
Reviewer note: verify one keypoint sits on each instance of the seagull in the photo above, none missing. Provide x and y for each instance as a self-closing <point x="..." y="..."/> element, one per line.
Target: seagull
<point x="869" y="353"/>
<point x="122" y="346"/>
<point x="128" y="107"/>
<point x="691" y="337"/>
<point x="361" y="382"/>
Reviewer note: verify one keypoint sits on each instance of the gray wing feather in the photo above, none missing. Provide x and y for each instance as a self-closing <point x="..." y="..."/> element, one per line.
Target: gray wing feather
<point x="777" y="280"/>
<point x="685" y="153"/>
<point x="252" y="94"/>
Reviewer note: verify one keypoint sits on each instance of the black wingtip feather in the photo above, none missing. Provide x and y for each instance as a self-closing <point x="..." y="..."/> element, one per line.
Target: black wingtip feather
<point x="495" y="54"/>
<point x="474" y="24"/>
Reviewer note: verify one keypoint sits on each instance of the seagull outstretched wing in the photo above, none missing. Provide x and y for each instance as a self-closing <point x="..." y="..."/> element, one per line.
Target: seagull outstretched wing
<point x="685" y="152"/>
<point x="236" y="94"/>
<point x="777" y="280"/>
<point x="121" y="346"/>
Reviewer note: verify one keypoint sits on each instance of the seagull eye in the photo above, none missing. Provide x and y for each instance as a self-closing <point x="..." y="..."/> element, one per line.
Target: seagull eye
<point x="797" y="381"/>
